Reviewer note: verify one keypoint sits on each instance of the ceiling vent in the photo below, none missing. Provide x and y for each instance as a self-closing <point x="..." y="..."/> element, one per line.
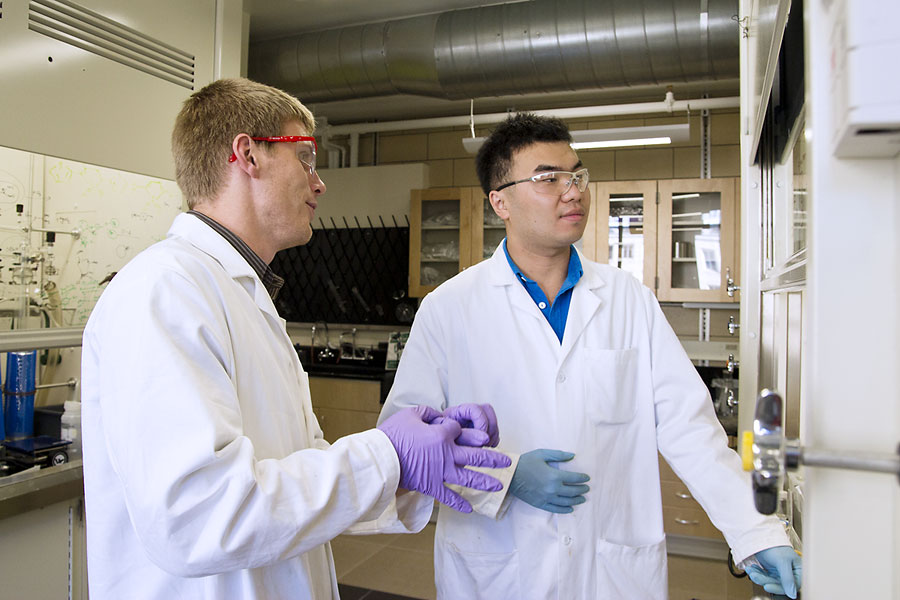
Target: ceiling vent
<point x="530" y="47"/>
<point x="77" y="26"/>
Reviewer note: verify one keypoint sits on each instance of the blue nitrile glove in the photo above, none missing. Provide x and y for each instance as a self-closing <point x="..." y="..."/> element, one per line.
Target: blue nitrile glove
<point x="475" y="419"/>
<point x="546" y="487"/>
<point x="429" y="456"/>
<point x="779" y="571"/>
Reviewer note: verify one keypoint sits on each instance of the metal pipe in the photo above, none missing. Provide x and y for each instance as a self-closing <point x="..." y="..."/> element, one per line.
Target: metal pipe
<point x="37" y="339"/>
<point x="857" y="461"/>
<point x="71" y="382"/>
<point x="510" y="48"/>
<point x="562" y="113"/>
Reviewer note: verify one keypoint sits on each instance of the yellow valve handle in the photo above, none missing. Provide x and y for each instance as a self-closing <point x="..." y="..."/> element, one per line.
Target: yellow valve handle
<point x="747" y="450"/>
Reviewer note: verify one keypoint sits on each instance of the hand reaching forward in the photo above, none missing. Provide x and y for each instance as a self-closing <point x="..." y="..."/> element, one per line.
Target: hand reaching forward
<point x="779" y="571"/>
<point x="429" y="456"/>
<point x="546" y="487"/>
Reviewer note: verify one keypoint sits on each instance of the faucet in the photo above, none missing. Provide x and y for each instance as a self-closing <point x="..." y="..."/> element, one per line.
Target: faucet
<point x="327" y="351"/>
<point x="731" y="364"/>
<point x="730" y="288"/>
<point x="732" y="326"/>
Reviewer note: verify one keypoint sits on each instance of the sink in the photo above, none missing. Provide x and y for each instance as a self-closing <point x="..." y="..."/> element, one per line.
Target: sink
<point x="371" y="368"/>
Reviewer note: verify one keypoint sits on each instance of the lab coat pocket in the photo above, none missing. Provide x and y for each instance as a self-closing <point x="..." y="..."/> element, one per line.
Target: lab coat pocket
<point x="476" y="575"/>
<point x="610" y="389"/>
<point x="631" y="572"/>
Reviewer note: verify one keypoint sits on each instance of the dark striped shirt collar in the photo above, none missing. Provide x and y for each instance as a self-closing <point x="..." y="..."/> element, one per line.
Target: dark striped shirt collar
<point x="270" y="280"/>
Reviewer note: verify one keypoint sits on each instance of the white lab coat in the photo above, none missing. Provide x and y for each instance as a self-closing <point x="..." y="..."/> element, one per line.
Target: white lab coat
<point x="205" y="471"/>
<point x="617" y="390"/>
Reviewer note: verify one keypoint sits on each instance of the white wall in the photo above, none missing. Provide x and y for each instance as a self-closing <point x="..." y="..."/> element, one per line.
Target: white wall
<point x="61" y="100"/>
<point x="373" y="192"/>
<point x="852" y="404"/>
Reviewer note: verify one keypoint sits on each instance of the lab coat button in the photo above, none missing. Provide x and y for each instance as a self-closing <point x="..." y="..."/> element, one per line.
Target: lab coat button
<point x="561" y="378"/>
<point x="542" y="305"/>
<point x="567" y="540"/>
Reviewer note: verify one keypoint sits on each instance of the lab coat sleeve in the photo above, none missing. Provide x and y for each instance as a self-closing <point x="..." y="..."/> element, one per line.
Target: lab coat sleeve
<point x="199" y="499"/>
<point x="694" y="444"/>
<point x="421" y="379"/>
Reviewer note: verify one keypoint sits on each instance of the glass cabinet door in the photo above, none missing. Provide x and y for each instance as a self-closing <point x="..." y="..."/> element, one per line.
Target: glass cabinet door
<point x="625" y="221"/>
<point x="440" y="237"/>
<point x="697" y="233"/>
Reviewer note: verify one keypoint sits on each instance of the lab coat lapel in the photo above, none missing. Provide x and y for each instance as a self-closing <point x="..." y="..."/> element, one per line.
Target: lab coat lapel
<point x="501" y="275"/>
<point x="208" y="240"/>
<point x="585" y="304"/>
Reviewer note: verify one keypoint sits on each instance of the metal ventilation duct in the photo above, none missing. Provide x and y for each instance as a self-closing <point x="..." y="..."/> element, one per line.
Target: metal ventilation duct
<point x="518" y="48"/>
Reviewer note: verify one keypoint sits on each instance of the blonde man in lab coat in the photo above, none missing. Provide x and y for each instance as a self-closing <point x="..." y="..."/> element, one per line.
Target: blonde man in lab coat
<point x="205" y="471"/>
<point x="588" y="387"/>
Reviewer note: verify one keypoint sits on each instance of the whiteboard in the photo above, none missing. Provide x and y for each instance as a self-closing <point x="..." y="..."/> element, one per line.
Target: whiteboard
<point x="103" y="217"/>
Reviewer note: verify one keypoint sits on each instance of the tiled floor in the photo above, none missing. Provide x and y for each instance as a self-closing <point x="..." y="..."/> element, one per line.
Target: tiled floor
<point x="398" y="566"/>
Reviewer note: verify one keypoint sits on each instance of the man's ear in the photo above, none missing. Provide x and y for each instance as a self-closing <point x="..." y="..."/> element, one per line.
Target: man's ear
<point x="498" y="203"/>
<point x="245" y="151"/>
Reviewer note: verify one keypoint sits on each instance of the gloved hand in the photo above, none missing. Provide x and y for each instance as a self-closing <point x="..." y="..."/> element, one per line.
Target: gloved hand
<point x="429" y="456"/>
<point x="546" y="487"/>
<point x="779" y="571"/>
<point x="475" y="419"/>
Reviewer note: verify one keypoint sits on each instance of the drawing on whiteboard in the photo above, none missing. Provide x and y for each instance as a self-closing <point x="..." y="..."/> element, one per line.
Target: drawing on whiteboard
<point x="77" y="223"/>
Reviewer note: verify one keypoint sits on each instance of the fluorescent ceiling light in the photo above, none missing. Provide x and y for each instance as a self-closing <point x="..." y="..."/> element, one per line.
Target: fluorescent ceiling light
<point x="631" y="136"/>
<point x="655" y="141"/>
<point x="611" y="138"/>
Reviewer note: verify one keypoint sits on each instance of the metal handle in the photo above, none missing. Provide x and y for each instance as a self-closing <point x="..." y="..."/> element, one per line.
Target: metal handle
<point x="686" y="522"/>
<point x="767" y="453"/>
<point x="684" y="495"/>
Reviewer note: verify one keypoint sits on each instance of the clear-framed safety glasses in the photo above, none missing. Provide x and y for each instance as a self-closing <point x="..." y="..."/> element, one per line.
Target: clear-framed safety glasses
<point x="554" y="183"/>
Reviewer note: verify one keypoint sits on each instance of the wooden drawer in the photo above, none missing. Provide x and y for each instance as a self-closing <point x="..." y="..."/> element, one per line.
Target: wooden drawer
<point x="689" y="522"/>
<point x="677" y="495"/>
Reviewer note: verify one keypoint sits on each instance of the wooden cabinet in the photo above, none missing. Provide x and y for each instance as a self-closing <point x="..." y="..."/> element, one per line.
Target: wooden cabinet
<point x="345" y="406"/>
<point x="621" y="228"/>
<point x="440" y="236"/>
<point x="699" y="239"/>
<point x="682" y="515"/>
<point x="680" y="237"/>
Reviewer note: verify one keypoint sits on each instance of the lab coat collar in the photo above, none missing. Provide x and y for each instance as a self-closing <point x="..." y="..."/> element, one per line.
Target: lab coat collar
<point x="585" y="297"/>
<point x="586" y="301"/>
<point x="209" y="241"/>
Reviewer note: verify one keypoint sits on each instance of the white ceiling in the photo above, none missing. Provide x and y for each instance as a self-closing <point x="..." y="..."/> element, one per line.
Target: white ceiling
<point x="271" y="19"/>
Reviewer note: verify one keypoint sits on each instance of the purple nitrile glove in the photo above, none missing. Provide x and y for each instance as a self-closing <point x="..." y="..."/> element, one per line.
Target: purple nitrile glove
<point x="429" y="456"/>
<point x="475" y="419"/>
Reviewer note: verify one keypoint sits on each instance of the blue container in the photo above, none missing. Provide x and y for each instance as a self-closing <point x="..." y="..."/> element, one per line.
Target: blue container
<point x="18" y="394"/>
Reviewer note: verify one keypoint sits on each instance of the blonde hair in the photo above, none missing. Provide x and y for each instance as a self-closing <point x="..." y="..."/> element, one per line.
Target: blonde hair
<point x="210" y="120"/>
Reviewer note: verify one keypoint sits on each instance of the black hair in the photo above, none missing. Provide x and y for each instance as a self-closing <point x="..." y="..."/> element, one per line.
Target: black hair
<point x="494" y="158"/>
